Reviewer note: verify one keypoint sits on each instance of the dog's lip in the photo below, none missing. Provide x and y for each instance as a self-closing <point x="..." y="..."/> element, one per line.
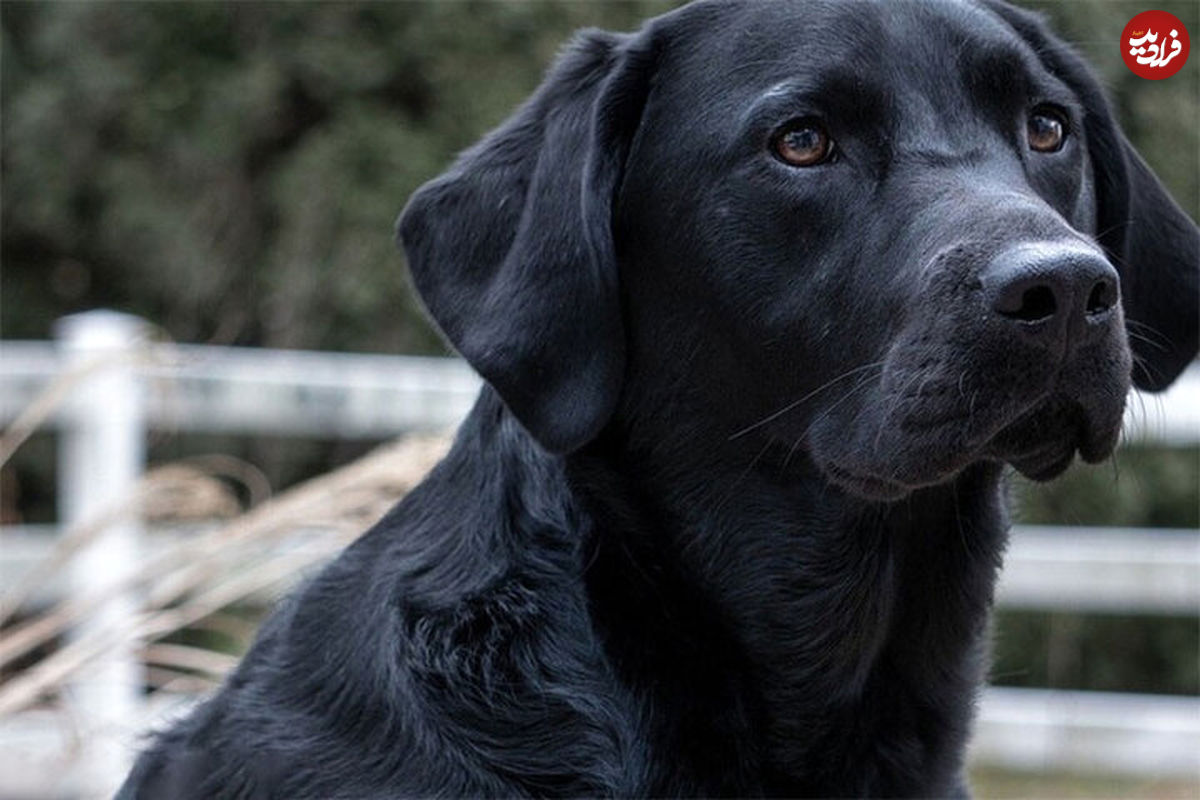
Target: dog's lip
<point x="866" y="485"/>
<point x="931" y="447"/>
<point x="1045" y="461"/>
<point x="1084" y="431"/>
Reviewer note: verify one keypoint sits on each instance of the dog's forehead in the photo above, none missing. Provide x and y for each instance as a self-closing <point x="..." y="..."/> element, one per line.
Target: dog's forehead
<point x="725" y="51"/>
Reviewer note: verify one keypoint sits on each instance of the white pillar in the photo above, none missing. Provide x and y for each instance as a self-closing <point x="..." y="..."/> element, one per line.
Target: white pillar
<point x="101" y="457"/>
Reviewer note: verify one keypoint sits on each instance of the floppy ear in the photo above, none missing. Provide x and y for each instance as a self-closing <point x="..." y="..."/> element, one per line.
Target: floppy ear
<point x="1153" y="244"/>
<point x="1159" y="261"/>
<point x="512" y="251"/>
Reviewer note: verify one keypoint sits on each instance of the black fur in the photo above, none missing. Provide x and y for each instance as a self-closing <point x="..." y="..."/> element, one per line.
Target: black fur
<point x="727" y="518"/>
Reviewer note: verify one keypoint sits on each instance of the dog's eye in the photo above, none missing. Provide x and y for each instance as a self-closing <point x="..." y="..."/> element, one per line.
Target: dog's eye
<point x="803" y="143"/>
<point x="1047" y="130"/>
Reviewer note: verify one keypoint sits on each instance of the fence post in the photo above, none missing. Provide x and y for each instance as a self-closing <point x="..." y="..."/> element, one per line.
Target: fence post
<point x="101" y="457"/>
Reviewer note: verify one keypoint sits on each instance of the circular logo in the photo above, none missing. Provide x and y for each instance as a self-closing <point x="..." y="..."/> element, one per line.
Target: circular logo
<point x="1155" y="45"/>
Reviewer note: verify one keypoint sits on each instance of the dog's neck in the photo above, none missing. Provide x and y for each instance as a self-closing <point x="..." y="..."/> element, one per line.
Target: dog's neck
<point x="793" y="590"/>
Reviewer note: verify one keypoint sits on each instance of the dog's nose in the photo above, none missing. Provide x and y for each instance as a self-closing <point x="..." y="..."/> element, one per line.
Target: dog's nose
<point x="1056" y="292"/>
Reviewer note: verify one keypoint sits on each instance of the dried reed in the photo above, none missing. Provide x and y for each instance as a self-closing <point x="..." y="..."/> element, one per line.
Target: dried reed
<point x="197" y="577"/>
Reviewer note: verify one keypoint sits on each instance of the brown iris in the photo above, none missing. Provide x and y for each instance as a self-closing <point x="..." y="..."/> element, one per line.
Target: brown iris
<point x="1047" y="129"/>
<point x="803" y="143"/>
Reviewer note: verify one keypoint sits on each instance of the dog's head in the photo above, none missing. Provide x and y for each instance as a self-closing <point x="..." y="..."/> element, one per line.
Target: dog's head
<point x="899" y="238"/>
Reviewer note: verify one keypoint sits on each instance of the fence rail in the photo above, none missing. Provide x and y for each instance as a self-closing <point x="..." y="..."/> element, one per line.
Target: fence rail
<point x="239" y="390"/>
<point x="1115" y="570"/>
<point x="195" y="388"/>
<point x="1088" y="570"/>
<point x="1046" y="730"/>
<point x="208" y="389"/>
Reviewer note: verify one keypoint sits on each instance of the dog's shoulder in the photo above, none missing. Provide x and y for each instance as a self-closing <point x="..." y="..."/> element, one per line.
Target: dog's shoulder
<point x="448" y="651"/>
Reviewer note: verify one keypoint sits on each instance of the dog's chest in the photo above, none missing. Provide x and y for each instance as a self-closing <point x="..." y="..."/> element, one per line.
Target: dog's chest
<point x="806" y="650"/>
<point x="869" y="689"/>
<point x="855" y="654"/>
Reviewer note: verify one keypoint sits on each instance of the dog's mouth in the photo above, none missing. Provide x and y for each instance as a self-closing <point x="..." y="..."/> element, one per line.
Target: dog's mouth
<point x="890" y="462"/>
<point x="1045" y="462"/>
<point x="865" y="485"/>
<point x="1042" y="443"/>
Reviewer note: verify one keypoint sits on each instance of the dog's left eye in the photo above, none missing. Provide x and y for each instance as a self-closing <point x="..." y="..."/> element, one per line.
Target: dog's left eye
<point x="1047" y="129"/>
<point x="803" y="143"/>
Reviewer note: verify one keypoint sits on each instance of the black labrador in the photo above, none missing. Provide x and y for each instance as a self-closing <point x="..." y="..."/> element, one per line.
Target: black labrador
<point x="766" y="295"/>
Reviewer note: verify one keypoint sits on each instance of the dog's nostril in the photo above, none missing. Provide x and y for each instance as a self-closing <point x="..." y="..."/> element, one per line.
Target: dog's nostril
<point x="1102" y="297"/>
<point x="1057" y="293"/>
<point x="1037" y="303"/>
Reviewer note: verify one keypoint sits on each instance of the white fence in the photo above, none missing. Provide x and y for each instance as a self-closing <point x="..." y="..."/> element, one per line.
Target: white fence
<point x="120" y="386"/>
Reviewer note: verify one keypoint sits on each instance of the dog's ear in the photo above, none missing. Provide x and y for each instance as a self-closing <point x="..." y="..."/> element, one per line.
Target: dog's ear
<point x="512" y="251"/>
<point x="1153" y="244"/>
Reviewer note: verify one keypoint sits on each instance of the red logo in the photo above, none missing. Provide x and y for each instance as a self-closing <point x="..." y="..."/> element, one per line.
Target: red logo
<point x="1155" y="45"/>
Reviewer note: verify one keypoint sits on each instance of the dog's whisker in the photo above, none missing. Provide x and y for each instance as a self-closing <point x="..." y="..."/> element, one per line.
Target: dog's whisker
<point x="1142" y="332"/>
<point x="1137" y="337"/>
<point x="1147" y="368"/>
<point x="897" y="399"/>
<point x="795" y="403"/>
<point x="742" y="476"/>
<point x="1109" y="229"/>
<point x="862" y="384"/>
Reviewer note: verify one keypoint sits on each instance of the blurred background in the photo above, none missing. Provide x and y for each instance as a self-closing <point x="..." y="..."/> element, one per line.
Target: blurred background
<point x="227" y="177"/>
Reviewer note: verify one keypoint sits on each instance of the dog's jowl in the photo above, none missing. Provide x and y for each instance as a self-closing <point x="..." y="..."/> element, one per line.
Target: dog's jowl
<point x="766" y="295"/>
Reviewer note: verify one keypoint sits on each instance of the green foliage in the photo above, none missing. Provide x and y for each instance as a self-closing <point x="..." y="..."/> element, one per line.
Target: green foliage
<point x="1162" y="118"/>
<point x="1139" y="487"/>
<point x="232" y="171"/>
<point x="1115" y="653"/>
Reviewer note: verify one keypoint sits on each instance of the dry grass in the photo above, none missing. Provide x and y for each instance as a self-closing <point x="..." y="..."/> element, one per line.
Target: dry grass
<point x="998" y="784"/>
<point x="198" y="577"/>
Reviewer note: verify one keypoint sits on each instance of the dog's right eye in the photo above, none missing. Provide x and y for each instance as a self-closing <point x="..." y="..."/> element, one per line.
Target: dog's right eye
<point x="803" y="143"/>
<point x="1046" y="129"/>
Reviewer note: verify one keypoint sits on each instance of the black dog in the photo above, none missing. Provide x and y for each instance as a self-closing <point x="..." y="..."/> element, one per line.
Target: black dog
<point x="765" y="296"/>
